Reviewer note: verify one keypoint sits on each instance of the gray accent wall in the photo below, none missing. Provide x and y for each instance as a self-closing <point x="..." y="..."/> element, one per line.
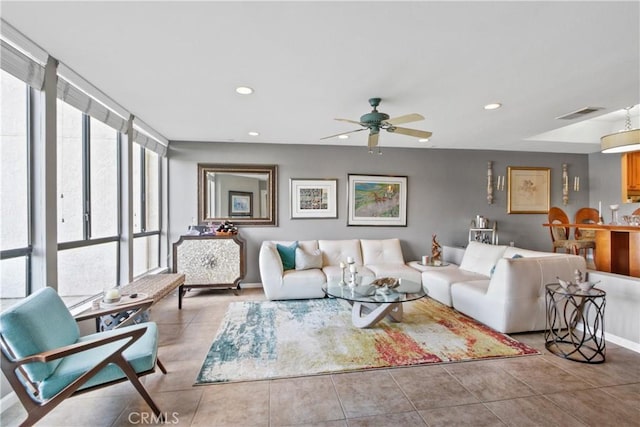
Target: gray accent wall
<point x="446" y="189"/>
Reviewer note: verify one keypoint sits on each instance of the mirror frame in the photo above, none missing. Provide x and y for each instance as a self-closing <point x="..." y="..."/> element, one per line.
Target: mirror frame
<point x="272" y="185"/>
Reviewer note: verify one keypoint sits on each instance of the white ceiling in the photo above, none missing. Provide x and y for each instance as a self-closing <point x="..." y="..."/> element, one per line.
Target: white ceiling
<point x="175" y="65"/>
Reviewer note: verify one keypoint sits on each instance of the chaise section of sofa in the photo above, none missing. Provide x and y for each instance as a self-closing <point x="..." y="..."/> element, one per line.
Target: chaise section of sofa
<point x="502" y="287"/>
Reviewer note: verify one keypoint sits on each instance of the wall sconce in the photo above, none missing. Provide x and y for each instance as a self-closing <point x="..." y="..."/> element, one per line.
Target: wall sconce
<point x="490" y="182"/>
<point x="565" y="184"/>
<point x="499" y="182"/>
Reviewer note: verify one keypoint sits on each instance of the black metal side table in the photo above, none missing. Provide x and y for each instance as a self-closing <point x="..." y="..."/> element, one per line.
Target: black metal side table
<point x="575" y="323"/>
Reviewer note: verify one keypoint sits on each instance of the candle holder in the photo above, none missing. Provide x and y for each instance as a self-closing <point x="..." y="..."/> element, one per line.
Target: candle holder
<point x="342" y="270"/>
<point x="614" y="214"/>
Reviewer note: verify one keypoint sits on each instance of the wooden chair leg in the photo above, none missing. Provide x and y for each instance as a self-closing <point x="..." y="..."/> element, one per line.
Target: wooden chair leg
<point x="161" y="366"/>
<point x="133" y="377"/>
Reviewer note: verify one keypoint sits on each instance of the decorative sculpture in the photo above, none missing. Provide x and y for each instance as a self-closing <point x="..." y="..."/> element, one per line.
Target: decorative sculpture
<point x="436" y="249"/>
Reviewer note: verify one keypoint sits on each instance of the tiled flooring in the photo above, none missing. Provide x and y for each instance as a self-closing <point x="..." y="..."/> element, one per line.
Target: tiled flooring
<point x="526" y="391"/>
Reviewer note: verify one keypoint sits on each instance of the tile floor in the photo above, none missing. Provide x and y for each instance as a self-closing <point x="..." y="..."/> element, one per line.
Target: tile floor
<point x="526" y="391"/>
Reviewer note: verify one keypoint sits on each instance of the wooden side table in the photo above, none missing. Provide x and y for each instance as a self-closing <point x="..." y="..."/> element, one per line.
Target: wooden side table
<point x="214" y="262"/>
<point x="575" y="323"/>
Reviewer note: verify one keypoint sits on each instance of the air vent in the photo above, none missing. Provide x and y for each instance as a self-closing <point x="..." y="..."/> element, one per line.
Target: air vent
<point x="579" y="113"/>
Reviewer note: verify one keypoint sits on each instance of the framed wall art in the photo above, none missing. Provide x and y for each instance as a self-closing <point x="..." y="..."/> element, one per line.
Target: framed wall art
<point x="240" y="203"/>
<point x="528" y="190"/>
<point x="313" y="198"/>
<point x="377" y="200"/>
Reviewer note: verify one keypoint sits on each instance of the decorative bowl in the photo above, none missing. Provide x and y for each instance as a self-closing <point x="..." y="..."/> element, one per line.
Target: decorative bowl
<point x="388" y="282"/>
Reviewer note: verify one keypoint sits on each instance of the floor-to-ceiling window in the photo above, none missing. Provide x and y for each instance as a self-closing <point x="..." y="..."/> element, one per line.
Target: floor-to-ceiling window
<point x="146" y="210"/>
<point x="87" y="184"/>
<point x="14" y="187"/>
<point x="85" y="174"/>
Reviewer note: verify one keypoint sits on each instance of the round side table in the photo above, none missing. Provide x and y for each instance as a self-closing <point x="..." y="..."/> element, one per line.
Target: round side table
<point x="575" y="323"/>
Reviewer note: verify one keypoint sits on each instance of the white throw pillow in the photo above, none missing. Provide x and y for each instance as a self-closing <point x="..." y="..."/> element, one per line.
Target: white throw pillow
<point x="481" y="257"/>
<point x="308" y="260"/>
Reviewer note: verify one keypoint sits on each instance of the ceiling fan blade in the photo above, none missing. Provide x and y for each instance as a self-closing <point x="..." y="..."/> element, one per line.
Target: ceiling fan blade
<point x="343" y="133"/>
<point x="415" y="117"/>
<point x="349" y="121"/>
<point x="373" y="140"/>
<point x="411" y="132"/>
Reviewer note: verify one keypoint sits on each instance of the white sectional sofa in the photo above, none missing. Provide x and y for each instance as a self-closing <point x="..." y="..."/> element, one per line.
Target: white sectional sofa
<point x="501" y="286"/>
<point x="373" y="258"/>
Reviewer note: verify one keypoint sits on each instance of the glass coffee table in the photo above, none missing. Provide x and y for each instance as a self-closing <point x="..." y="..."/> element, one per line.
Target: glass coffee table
<point x="371" y="303"/>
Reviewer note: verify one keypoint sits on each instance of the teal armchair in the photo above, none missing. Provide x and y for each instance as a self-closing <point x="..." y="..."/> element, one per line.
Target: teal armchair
<point x="45" y="359"/>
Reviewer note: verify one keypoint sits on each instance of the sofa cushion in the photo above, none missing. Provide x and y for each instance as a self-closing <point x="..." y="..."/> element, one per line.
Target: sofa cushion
<point x="336" y="251"/>
<point x="306" y="260"/>
<point x="396" y="270"/>
<point x="481" y="257"/>
<point x="437" y="281"/>
<point x="303" y="277"/>
<point x="387" y="251"/>
<point x="287" y="255"/>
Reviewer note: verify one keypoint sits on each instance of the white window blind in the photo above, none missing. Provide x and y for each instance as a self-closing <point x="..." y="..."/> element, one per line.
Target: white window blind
<point x="149" y="143"/>
<point x="21" y="66"/>
<point x="83" y="102"/>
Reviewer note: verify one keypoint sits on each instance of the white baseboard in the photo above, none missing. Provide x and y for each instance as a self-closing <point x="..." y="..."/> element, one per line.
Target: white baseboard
<point x="623" y="342"/>
<point x="251" y="285"/>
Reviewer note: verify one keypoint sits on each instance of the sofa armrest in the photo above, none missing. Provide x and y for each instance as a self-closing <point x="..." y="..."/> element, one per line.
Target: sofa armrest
<point x="271" y="269"/>
<point x="452" y="255"/>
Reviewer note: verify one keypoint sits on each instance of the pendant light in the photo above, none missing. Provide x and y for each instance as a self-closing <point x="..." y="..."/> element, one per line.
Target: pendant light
<point x="623" y="141"/>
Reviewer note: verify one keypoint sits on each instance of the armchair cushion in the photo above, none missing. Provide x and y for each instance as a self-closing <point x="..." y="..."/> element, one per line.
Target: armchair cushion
<point x="37" y="324"/>
<point x="141" y="356"/>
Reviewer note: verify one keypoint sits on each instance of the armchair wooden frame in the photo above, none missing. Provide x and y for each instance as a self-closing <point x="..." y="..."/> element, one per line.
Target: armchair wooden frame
<point x="27" y="391"/>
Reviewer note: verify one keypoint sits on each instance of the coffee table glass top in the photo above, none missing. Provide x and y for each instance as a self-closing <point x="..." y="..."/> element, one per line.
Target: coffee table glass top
<point x="407" y="291"/>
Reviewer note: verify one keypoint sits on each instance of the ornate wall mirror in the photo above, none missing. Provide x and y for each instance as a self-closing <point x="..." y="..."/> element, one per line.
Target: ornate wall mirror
<point x="242" y="194"/>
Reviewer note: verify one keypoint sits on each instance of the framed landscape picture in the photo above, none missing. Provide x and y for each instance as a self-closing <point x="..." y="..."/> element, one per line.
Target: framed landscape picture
<point x="313" y="198"/>
<point x="240" y="203"/>
<point x="377" y="200"/>
<point x="528" y="190"/>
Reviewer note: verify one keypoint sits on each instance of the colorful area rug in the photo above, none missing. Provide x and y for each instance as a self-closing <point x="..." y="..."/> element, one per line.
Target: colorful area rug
<point x="280" y="339"/>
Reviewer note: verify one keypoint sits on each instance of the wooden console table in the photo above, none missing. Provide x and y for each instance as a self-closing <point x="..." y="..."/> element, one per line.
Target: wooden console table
<point x="214" y="262"/>
<point x="617" y="247"/>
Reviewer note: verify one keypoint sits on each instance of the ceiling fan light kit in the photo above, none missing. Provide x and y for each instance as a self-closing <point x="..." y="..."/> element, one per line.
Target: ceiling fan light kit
<point x="375" y="120"/>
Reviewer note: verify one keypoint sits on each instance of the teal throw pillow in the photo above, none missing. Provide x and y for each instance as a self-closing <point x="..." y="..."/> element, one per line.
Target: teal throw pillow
<point x="516" y="256"/>
<point x="288" y="255"/>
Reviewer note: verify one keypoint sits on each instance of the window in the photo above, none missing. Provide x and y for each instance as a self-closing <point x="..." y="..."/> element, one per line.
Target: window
<point x="88" y="171"/>
<point x="14" y="187"/>
<point x="70" y="173"/>
<point x="103" y="177"/>
<point x="146" y="210"/>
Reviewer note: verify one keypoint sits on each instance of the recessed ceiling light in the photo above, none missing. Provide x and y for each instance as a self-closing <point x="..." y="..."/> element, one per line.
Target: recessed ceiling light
<point x="254" y="133"/>
<point x="244" y="90"/>
<point x="493" y="106"/>
<point x="343" y="136"/>
<point x="423" y="140"/>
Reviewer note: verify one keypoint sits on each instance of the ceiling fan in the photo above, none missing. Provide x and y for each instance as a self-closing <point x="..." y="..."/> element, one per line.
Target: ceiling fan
<point x="375" y="121"/>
